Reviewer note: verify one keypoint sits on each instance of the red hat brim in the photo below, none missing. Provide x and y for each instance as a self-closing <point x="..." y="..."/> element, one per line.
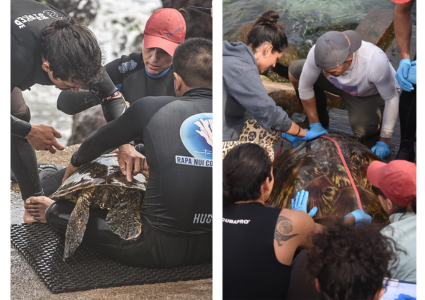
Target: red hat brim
<point x="151" y="41"/>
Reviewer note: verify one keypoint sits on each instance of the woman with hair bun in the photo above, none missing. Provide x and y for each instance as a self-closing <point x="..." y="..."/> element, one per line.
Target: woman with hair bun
<point x="244" y="96"/>
<point x="259" y="242"/>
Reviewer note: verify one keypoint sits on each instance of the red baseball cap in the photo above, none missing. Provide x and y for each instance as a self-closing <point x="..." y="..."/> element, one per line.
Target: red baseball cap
<point x="396" y="179"/>
<point x="400" y="1"/>
<point x="165" y="29"/>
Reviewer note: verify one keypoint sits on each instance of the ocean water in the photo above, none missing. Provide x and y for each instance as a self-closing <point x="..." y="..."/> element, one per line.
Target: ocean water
<point x="116" y="27"/>
<point x="305" y="20"/>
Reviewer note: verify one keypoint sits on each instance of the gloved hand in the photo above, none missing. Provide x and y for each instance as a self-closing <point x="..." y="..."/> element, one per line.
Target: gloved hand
<point x="405" y="297"/>
<point x="402" y="73"/>
<point x="411" y="77"/>
<point x="290" y="138"/>
<point x="300" y="203"/>
<point x="316" y="129"/>
<point x="381" y="149"/>
<point x="359" y="216"/>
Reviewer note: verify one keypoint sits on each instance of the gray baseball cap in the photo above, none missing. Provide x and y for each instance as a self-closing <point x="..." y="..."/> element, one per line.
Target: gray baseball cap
<point x="333" y="48"/>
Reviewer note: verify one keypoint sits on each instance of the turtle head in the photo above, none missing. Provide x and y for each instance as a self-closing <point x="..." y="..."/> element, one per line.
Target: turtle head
<point x="105" y="196"/>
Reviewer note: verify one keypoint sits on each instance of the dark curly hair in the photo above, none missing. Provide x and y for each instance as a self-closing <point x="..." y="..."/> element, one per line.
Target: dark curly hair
<point x="245" y="168"/>
<point x="350" y="262"/>
<point x="72" y="52"/>
<point x="192" y="60"/>
<point x="266" y="29"/>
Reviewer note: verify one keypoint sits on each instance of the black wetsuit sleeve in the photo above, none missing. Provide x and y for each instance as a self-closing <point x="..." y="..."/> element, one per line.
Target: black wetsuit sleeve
<point x="19" y="127"/>
<point x="120" y="131"/>
<point x="72" y="103"/>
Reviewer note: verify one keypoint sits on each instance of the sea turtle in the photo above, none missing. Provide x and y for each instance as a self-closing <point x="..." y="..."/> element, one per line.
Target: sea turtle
<point x="317" y="167"/>
<point x="100" y="183"/>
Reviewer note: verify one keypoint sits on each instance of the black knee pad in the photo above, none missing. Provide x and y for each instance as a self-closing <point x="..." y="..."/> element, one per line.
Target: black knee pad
<point x="26" y="116"/>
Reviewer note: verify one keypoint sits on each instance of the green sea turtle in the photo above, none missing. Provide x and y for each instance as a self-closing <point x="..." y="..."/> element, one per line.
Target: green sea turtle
<point x="100" y="183"/>
<point x="317" y="167"/>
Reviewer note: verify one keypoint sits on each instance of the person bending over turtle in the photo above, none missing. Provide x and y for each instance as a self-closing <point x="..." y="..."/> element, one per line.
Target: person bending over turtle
<point x="395" y="185"/>
<point x="349" y="262"/>
<point x="49" y="48"/>
<point x="244" y="96"/>
<point x="359" y="72"/>
<point x="176" y="212"/>
<point x="138" y="75"/>
<point x="259" y="242"/>
<point x="406" y="78"/>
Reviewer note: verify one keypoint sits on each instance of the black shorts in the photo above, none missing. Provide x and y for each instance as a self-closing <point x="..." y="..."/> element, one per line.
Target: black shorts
<point x="152" y="249"/>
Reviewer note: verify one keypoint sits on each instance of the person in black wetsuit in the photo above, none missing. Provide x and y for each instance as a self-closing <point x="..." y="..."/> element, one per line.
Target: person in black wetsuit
<point x="49" y="48"/>
<point x="407" y="105"/>
<point x="177" y="132"/>
<point x="138" y="75"/>
<point x="259" y="242"/>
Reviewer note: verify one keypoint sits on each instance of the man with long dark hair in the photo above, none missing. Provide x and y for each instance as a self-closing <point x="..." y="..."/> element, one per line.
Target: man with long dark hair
<point x="49" y="48"/>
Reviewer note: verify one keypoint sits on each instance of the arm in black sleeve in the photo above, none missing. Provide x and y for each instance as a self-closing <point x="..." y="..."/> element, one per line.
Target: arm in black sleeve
<point x="112" y="135"/>
<point x="19" y="127"/>
<point x="112" y="102"/>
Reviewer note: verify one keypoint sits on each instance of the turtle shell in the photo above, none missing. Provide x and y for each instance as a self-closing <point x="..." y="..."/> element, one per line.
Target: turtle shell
<point x="316" y="167"/>
<point x="103" y="172"/>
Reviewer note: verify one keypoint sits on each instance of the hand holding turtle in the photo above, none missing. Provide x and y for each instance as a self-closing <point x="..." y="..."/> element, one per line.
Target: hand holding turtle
<point x="316" y="129"/>
<point x="131" y="161"/>
<point x="402" y="73"/>
<point x="381" y="149"/>
<point x="69" y="171"/>
<point x="43" y="137"/>
<point x="359" y="216"/>
<point x="300" y="203"/>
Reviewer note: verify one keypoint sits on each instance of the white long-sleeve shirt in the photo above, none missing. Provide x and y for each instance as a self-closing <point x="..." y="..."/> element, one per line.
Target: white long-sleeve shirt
<point x="370" y="73"/>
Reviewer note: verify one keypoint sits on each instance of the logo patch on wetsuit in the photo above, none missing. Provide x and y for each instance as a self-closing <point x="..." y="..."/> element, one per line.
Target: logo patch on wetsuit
<point x="202" y="219"/>
<point x="197" y="136"/>
<point x="45" y="15"/>
<point x="240" y="221"/>
<point x="52" y="14"/>
<point x="127" y="66"/>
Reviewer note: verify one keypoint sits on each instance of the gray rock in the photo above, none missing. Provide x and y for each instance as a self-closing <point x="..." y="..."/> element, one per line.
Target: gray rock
<point x="85" y="123"/>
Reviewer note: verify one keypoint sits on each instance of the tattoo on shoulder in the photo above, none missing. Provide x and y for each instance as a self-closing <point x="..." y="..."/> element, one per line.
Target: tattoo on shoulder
<point x="283" y="227"/>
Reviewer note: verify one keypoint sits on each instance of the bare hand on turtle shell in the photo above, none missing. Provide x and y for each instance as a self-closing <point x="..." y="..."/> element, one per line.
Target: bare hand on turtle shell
<point x="69" y="171"/>
<point x="131" y="161"/>
<point x="43" y="137"/>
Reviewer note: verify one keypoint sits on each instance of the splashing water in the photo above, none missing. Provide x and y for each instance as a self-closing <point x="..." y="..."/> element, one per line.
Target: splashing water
<point x="117" y="27"/>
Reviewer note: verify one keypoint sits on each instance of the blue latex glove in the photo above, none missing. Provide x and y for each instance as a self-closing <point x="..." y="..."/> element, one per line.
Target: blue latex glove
<point x="402" y="73"/>
<point x="381" y="149"/>
<point x="316" y="129"/>
<point x="300" y="203"/>
<point x="290" y="138"/>
<point x="359" y="216"/>
<point x="411" y="77"/>
<point x="405" y="297"/>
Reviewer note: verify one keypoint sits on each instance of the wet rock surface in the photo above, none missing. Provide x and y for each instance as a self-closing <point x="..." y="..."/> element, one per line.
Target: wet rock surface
<point x="85" y="123"/>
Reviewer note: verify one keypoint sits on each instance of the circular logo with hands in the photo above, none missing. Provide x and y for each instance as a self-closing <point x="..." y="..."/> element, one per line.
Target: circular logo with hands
<point x="196" y="133"/>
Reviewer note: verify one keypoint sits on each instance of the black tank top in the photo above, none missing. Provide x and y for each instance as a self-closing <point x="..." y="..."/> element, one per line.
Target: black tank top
<point x="250" y="267"/>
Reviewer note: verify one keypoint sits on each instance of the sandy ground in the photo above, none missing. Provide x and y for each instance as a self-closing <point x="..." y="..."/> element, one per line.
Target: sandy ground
<point x="25" y="284"/>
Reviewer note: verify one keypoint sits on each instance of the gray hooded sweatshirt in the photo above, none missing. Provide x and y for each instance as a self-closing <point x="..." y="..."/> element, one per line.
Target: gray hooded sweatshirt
<point x="244" y="96"/>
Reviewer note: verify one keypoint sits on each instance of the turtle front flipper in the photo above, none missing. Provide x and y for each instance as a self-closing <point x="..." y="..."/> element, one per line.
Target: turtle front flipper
<point x="76" y="225"/>
<point x="124" y="218"/>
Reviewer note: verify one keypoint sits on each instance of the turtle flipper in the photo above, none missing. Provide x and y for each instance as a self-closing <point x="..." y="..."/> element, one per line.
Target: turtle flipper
<point x="124" y="218"/>
<point x="76" y="226"/>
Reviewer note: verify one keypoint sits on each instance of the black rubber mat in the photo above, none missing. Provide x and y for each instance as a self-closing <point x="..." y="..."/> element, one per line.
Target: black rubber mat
<point x="42" y="248"/>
